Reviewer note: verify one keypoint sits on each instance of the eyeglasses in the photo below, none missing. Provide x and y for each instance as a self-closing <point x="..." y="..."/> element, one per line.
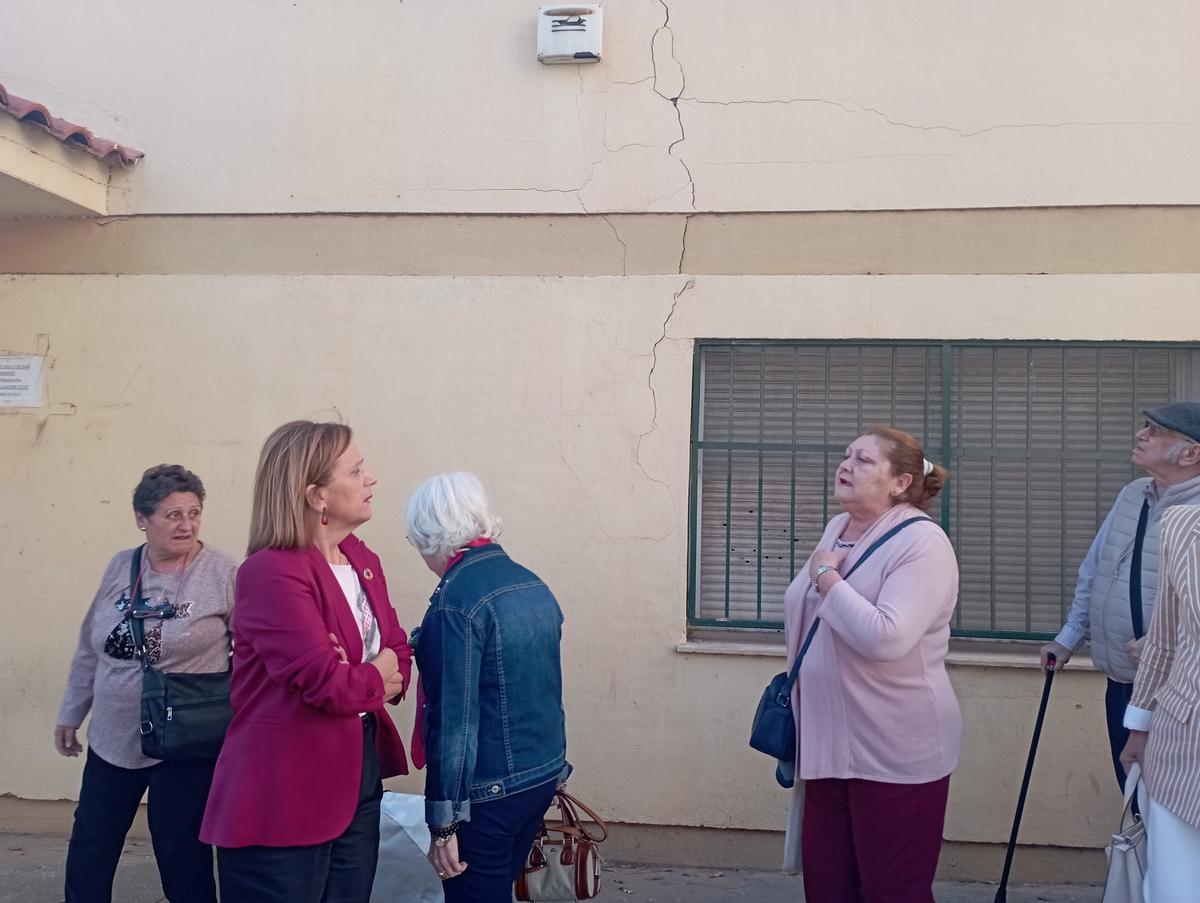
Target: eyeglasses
<point x="175" y="515"/>
<point x="1153" y="430"/>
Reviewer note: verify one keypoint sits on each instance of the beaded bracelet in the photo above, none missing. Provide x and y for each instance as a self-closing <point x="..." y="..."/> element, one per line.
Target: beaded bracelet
<point x="445" y="832"/>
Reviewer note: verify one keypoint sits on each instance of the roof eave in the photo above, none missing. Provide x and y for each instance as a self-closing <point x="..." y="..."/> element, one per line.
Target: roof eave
<point x="40" y="176"/>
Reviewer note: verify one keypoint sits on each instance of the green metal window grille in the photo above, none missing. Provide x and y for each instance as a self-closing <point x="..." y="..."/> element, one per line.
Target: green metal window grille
<point x="1037" y="437"/>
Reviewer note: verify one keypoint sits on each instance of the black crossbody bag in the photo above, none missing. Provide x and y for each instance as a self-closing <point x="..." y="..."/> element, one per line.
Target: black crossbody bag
<point x="184" y="716"/>
<point x="774" y="730"/>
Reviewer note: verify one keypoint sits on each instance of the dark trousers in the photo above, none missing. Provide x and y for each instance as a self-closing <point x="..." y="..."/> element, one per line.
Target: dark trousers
<point x="341" y="870"/>
<point x="108" y="801"/>
<point x="495" y="844"/>
<point x="1116" y="697"/>
<point x="871" y="842"/>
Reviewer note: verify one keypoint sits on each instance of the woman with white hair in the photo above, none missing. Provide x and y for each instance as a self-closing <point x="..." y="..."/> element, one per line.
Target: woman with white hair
<point x="488" y="653"/>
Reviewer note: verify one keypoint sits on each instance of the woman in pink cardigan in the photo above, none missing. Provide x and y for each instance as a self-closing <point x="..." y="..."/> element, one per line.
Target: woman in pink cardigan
<point x="878" y="726"/>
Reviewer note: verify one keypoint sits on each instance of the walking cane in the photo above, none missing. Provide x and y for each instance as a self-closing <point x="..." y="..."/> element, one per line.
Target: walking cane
<point x="1002" y="890"/>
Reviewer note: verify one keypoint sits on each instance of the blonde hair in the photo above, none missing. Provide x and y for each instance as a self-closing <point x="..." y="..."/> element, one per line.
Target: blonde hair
<point x="297" y="455"/>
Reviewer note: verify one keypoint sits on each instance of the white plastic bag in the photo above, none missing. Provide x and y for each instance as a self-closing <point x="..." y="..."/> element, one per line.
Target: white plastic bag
<point x="404" y="873"/>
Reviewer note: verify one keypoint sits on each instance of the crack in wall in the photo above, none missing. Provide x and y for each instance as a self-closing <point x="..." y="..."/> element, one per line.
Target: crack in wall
<point x="848" y="106"/>
<point x="687" y="221"/>
<point x="853" y="106"/>
<point x="577" y="190"/>
<point x="830" y="161"/>
<point x="579" y="107"/>
<point x="583" y="135"/>
<point x="674" y="101"/>
<point x="621" y="147"/>
<point x="637" y="453"/>
<point x="621" y="241"/>
<point x="481" y="190"/>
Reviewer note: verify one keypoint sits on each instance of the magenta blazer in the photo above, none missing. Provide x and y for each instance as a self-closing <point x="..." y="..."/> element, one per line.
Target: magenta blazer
<point x="290" y="769"/>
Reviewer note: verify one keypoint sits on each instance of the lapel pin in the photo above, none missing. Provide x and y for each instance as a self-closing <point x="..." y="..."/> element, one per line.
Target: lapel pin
<point x="367" y="573"/>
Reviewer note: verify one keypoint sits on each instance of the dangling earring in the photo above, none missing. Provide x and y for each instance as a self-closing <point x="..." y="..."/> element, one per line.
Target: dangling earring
<point x="324" y="517"/>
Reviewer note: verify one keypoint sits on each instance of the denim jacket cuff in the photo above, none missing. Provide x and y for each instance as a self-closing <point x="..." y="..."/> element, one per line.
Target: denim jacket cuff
<point x="443" y="812"/>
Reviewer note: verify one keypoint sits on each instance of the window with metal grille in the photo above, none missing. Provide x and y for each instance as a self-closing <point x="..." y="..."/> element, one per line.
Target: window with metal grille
<point x="1037" y="438"/>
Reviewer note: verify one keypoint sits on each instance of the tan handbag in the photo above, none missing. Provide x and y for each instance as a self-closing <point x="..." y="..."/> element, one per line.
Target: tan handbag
<point x="564" y="863"/>
<point x="1127" y="852"/>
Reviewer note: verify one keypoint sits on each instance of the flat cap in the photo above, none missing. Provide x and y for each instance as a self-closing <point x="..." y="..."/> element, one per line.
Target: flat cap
<point x="1182" y="417"/>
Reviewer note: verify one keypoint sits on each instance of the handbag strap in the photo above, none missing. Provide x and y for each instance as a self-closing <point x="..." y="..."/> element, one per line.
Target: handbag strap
<point x="565" y="799"/>
<point x="794" y="673"/>
<point x="1135" y="572"/>
<point x="137" y="628"/>
<point x="572" y="824"/>
<point x="1132" y="777"/>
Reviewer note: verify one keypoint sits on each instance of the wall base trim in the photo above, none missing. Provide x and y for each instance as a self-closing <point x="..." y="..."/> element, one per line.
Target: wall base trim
<point x="729" y="848"/>
<point x="718" y="848"/>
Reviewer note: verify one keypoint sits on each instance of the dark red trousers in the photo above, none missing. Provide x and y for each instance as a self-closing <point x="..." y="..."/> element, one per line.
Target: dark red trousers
<point x="871" y="842"/>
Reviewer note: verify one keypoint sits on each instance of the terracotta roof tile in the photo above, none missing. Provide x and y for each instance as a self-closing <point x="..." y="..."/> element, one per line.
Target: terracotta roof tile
<point x="69" y="133"/>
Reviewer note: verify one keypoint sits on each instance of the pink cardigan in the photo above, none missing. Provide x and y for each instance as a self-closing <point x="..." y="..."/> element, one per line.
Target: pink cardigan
<point x="873" y="699"/>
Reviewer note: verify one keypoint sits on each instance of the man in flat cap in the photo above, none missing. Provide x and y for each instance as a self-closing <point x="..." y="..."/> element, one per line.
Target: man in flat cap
<point x="1118" y="579"/>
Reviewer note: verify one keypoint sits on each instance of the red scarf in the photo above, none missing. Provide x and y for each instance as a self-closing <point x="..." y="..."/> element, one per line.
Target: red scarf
<point x="457" y="556"/>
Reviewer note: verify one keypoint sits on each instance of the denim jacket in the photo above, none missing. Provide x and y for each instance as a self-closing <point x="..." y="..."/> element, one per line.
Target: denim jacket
<point x="488" y="652"/>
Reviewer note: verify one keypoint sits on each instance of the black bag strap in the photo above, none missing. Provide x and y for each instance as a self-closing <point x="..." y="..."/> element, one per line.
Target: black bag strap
<point x="846" y="576"/>
<point x="137" y="628"/>
<point x="1135" y="572"/>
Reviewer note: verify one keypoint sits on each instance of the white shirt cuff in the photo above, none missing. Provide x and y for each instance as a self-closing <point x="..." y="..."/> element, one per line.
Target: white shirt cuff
<point x="1137" y="719"/>
<point x="1071" y="637"/>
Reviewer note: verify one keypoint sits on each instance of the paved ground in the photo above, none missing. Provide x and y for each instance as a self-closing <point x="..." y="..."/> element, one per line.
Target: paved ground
<point x="31" y="868"/>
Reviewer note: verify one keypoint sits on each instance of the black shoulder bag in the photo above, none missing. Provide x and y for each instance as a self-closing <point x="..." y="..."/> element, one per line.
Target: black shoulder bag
<point x="184" y="716"/>
<point x="774" y="730"/>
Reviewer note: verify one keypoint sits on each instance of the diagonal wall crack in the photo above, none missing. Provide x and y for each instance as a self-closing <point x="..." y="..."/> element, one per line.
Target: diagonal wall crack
<point x="621" y="242"/>
<point x="687" y="221"/>
<point x="637" y="453"/>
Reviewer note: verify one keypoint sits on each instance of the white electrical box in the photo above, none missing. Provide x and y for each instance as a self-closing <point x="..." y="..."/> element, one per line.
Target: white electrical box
<point x="570" y="34"/>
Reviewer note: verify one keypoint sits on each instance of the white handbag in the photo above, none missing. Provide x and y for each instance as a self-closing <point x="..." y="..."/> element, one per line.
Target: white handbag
<point x="564" y="863"/>
<point x="1127" y="852"/>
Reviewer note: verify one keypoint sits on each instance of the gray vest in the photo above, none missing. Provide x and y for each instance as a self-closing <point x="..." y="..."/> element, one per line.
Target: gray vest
<point x="1110" y="618"/>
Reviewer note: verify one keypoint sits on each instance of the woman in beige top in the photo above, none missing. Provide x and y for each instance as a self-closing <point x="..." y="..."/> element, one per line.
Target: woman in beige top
<point x="186" y="599"/>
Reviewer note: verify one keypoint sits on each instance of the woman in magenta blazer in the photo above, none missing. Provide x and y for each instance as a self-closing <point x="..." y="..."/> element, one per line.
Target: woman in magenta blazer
<point x="294" y="806"/>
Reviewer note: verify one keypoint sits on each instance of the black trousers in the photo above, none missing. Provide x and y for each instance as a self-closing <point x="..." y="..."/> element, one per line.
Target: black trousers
<point x="495" y="844"/>
<point x="341" y="870"/>
<point x="1116" y="697"/>
<point x="108" y="801"/>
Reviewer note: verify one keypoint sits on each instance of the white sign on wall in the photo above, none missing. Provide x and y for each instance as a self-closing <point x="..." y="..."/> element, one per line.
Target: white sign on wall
<point x="21" y="381"/>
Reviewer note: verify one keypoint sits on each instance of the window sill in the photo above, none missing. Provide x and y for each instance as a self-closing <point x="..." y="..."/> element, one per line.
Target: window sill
<point x="964" y="651"/>
<point x="772" y="649"/>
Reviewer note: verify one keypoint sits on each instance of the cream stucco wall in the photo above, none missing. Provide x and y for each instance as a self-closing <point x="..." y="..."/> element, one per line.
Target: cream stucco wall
<point x="572" y="398"/>
<point x="553" y="354"/>
<point x="380" y="105"/>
